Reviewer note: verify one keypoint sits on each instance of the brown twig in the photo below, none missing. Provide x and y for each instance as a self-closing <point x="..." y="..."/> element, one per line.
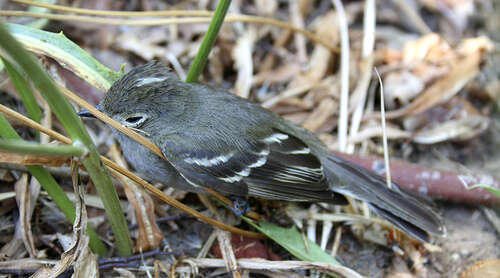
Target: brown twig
<point x="224" y="239"/>
<point x="431" y="182"/>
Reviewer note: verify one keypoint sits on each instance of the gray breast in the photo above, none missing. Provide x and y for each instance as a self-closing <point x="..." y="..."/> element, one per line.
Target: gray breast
<point x="150" y="166"/>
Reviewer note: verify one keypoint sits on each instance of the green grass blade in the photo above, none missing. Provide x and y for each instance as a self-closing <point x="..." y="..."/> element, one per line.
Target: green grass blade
<point x="66" y="52"/>
<point x="294" y="242"/>
<point x="24" y="90"/>
<point x="76" y="130"/>
<point x="493" y="190"/>
<point x="50" y="185"/>
<point x="25" y="147"/>
<point x="208" y="41"/>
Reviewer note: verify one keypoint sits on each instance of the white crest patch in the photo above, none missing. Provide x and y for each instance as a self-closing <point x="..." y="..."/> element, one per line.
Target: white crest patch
<point x="149" y="80"/>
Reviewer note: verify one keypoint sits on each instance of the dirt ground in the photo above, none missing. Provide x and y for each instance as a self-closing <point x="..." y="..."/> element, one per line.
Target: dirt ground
<point x="470" y="239"/>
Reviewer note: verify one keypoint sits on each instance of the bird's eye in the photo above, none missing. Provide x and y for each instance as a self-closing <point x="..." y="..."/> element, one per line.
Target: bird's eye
<point x="135" y="120"/>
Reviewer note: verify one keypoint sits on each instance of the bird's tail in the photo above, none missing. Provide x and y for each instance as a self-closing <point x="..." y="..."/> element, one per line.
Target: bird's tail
<point x="412" y="214"/>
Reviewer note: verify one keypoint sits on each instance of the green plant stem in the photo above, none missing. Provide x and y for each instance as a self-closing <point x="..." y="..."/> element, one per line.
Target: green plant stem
<point x="76" y="130"/>
<point x="24" y="90"/>
<point x="50" y="185"/>
<point x="208" y="41"/>
<point x="490" y="188"/>
<point x="25" y="147"/>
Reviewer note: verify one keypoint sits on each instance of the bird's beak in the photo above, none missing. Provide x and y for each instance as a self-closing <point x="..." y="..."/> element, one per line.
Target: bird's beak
<point x="87" y="114"/>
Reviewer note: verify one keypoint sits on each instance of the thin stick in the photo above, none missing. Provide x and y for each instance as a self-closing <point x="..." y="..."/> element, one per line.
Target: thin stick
<point x="361" y="90"/>
<point x="384" y="132"/>
<point x="336" y="242"/>
<point x="62" y="8"/>
<point x="344" y="75"/>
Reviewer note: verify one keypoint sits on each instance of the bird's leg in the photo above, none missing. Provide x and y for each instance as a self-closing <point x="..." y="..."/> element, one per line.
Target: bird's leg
<point x="240" y="205"/>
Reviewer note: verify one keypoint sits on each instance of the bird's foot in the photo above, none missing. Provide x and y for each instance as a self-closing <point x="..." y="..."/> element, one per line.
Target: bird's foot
<point x="240" y="205"/>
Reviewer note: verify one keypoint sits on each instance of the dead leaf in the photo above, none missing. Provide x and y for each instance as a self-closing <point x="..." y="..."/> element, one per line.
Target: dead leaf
<point x="320" y="115"/>
<point x="86" y="264"/>
<point x="26" y="197"/>
<point x="25" y="264"/>
<point x="297" y="118"/>
<point x="426" y="47"/>
<point x="442" y="90"/>
<point x="243" y="62"/>
<point x="480" y="44"/>
<point x="281" y="74"/>
<point x="370" y="131"/>
<point x="456" y="120"/>
<point x="80" y="239"/>
<point x="458" y="130"/>
<point x="124" y="273"/>
<point x="318" y="65"/>
<point x="400" y="87"/>
<point x="431" y="58"/>
<point x="150" y="235"/>
<point x="224" y="239"/>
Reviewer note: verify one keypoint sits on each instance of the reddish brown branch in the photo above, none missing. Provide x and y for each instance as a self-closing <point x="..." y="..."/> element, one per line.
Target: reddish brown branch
<point x="431" y="182"/>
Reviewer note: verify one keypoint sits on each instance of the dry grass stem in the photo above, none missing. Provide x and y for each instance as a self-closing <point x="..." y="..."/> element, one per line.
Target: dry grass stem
<point x="359" y="94"/>
<point x="165" y="21"/>
<point x="150" y="235"/>
<point x="384" y="133"/>
<point x="224" y="239"/>
<point x="259" y="264"/>
<point x="344" y="75"/>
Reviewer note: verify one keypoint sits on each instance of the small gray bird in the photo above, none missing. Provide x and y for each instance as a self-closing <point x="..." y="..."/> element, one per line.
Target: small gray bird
<point x="212" y="138"/>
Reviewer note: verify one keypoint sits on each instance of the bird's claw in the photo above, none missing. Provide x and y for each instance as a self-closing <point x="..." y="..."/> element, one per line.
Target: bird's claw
<point x="240" y="206"/>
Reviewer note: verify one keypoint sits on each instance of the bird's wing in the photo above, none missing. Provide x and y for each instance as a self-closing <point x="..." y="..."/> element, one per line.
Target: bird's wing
<point x="277" y="165"/>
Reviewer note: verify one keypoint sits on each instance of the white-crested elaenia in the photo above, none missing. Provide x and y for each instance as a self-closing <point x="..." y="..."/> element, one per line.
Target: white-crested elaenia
<point x="212" y="138"/>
